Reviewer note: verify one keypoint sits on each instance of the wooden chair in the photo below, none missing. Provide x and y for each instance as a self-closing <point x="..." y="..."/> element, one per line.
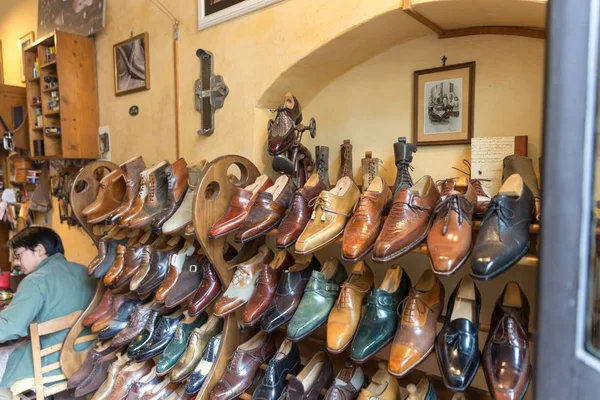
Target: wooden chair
<point x="59" y="382"/>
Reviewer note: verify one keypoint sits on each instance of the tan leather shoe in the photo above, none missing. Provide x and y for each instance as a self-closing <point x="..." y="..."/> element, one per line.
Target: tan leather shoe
<point x="113" y="186"/>
<point x="449" y="240"/>
<point x="243" y="283"/>
<point x="117" y="266"/>
<point x="332" y="209"/>
<point x="104" y="182"/>
<point x="345" y="315"/>
<point x="383" y="386"/>
<point x="415" y="337"/>
<point x="366" y="222"/>
<point x="104" y="391"/>
<point x="131" y="170"/>
<point x="197" y="342"/>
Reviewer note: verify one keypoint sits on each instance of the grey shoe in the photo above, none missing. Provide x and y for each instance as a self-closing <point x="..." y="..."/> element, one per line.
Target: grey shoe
<point x="322" y="164"/>
<point x="346" y="166"/>
<point x="403" y="153"/>
<point x="516" y="164"/>
<point x="370" y="170"/>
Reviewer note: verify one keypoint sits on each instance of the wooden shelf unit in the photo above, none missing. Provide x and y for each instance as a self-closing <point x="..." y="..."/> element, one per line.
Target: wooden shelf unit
<point x="75" y="70"/>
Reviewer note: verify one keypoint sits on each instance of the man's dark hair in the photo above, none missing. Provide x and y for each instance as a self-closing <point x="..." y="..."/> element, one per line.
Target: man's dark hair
<point x="34" y="235"/>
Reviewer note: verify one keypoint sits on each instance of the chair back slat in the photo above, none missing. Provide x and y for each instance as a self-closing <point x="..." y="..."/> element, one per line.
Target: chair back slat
<point x="50" y="367"/>
<point x="58" y="324"/>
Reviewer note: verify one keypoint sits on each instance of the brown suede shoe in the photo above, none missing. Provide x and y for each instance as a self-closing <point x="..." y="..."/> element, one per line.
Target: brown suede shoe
<point x="98" y="374"/>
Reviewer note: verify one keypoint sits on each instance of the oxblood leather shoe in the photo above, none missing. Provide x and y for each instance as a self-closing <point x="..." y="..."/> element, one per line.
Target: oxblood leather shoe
<point x="101" y="309"/>
<point x="347" y="384"/>
<point x="119" y="321"/>
<point x="162" y="335"/>
<point x="268" y="210"/>
<point x="377" y="327"/>
<point x="105" y="389"/>
<point x="131" y="170"/>
<point x="207" y="291"/>
<point x="177" y="345"/>
<point x="311" y="380"/>
<point x="285" y="361"/>
<point x="177" y="184"/>
<point x="318" y="299"/>
<point x="111" y="192"/>
<point x="127" y="377"/>
<point x="289" y="292"/>
<point x="266" y="284"/>
<point x="239" y="208"/>
<point x="243" y="283"/>
<point x="408" y="221"/>
<point x="281" y="130"/>
<point x="140" y="341"/>
<point x="99" y="350"/>
<point x="102" y="243"/>
<point x="197" y="378"/>
<point x="175" y="267"/>
<point x="138" y="319"/>
<point x="299" y="212"/>
<point x="156" y="199"/>
<point x="383" y="386"/>
<point x="366" y="222"/>
<point x="457" y="344"/>
<point x="189" y="281"/>
<point x="415" y="337"/>
<point x="506" y="353"/>
<point x="98" y="374"/>
<point x="102" y="323"/>
<point x="183" y="215"/>
<point x="245" y="363"/>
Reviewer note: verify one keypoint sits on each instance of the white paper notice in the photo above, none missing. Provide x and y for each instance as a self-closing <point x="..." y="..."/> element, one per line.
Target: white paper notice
<point x="487" y="155"/>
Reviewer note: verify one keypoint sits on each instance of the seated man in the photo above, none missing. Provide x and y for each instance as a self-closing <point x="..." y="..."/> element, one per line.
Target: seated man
<point x="53" y="288"/>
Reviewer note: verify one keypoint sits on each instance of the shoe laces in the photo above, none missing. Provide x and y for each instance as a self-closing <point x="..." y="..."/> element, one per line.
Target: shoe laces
<point x="321" y="165"/>
<point x="446" y="185"/>
<point x="346" y="160"/>
<point x="503" y="213"/>
<point x="476" y="183"/>
<point x="346" y="292"/>
<point x="362" y="208"/>
<point x="239" y="276"/>
<point x="322" y="202"/>
<point x="404" y="169"/>
<point x="412" y="305"/>
<point x="282" y="122"/>
<point x="508" y="330"/>
<point x="457" y="203"/>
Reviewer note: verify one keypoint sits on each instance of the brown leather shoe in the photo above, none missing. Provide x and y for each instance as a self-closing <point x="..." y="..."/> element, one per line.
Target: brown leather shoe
<point x="147" y="253"/>
<point x="177" y="185"/>
<point x="409" y="220"/>
<point x="159" y="265"/>
<point x="207" y="291"/>
<point x="176" y="262"/>
<point x="243" y="283"/>
<point x="102" y="247"/>
<point x="345" y="315"/>
<point x="449" y="240"/>
<point x="99" y="200"/>
<point x="99" y="350"/>
<point x="307" y="385"/>
<point x="97" y="375"/>
<point x="244" y="365"/>
<point x="299" y="212"/>
<point x="127" y="377"/>
<point x="366" y="222"/>
<point x="415" y="336"/>
<point x="190" y="279"/>
<point x="157" y="196"/>
<point x="265" y="286"/>
<point x="239" y="208"/>
<point x="267" y="211"/>
<point x="113" y="188"/>
<point x="117" y="267"/>
<point x="113" y="370"/>
<point x="102" y="323"/>
<point x="135" y="256"/>
<point x="101" y="309"/>
<point x="142" y="195"/>
<point x="131" y="170"/>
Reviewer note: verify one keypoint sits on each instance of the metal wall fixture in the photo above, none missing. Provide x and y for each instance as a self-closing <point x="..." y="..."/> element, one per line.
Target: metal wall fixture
<point x="210" y="91"/>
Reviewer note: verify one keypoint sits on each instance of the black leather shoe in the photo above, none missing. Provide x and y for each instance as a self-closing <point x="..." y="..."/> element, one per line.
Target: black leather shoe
<point x="119" y="321"/>
<point x="286" y="361"/>
<point x="160" y="338"/>
<point x="504" y="234"/>
<point x="197" y="378"/>
<point x="159" y="265"/>
<point x="457" y="343"/>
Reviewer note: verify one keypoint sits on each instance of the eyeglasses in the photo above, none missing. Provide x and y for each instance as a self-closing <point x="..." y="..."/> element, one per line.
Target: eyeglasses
<point x="17" y="256"/>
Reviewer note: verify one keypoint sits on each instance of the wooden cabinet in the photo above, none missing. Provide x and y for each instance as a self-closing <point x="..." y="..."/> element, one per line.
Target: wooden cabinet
<point x="13" y="106"/>
<point x="62" y="96"/>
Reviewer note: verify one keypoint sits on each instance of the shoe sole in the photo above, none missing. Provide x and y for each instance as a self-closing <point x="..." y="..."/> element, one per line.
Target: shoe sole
<point x="278" y="326"/>
<point x="230" y="311"/>
<point x="319" y="247"/>
<point x="362" y="360"/>
<point x="360" y="257"/>
<point x="261" y="233"/>
<point x="287" y="246"/>
<point x="415" y="365"/>
<point x="505" y="268"/>
<point x="460" y="264"/>
<point x="342" y="349"/>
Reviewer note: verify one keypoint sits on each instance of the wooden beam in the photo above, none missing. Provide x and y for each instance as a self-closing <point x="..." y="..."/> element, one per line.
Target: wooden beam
<point x="407" y="8"/>
<point x="534" y="33"/>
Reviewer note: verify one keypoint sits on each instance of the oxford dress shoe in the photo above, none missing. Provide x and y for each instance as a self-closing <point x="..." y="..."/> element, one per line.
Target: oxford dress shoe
<point x="132" y="261"/>
<point x="131" y="170"/>
<point x="158" y="267"/>
<point x="318" y="299"/>
<point x="504" y="233"/>
<point x="415" y="337"/>
<point x="142" y="338"/>
<point x="142" y="195"/>
<point x="156" y="199"/>
<point x="199" y="339"/>
<point x="129" y="375"/>
<point x="366" y="222"/>
<point x="101" y="309"/>
<point x="239" y="208"/>
<point x="177" y="184"/>
<point x="178" y="344"/>
<point x="423" y="390"/>
<point x="288" y="293"/>
<point x="243" y="367"/>
<point x="408" y="221"/>
<point x="309" y="382"/>
<point x="138" y="319"/>
<point x="112" y="187"/>
<point x="175" y="268"/>
<point x="102" y="323"/>
<point x="119" y="321"/>
<point x="207" y="291"/>
<point x="100" y="350"/>
<point x="198" y="376"/>
<point x="332" y="210"/>
<point x="162" y="335"/>
<point x="189" y="281"/>
<point x="383" y="386"/>
<point x="266" y="284"/>
<point x="345" y="315"/>
<point x="285" y="361"/>
<point x="517" y="164"/>
<point x="506" y="353"/>
<point x="457" y="344"/>
<point x="281" y="130"/>
<point x="347" y="383"/>
<point x="449" y="239"/>
<point x="110" y="255"/>
<point x="299" y="212"/>
<point x="103" y="392"/>
<point x="243" y="283"/>
<point x="183" y="215"/>
<point x="268" y="210"/>
<point x="378" y="325"/>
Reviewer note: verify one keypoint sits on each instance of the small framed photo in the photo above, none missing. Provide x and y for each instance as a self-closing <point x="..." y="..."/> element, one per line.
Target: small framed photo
<point x="25" y="41"/>
<point x="443" y="105"/>
<point x="132" y="65"/>
<point x="213" y="12"/>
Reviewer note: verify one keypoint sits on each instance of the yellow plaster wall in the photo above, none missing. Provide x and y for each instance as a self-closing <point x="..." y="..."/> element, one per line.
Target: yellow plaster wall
<point x="17" y="18"/>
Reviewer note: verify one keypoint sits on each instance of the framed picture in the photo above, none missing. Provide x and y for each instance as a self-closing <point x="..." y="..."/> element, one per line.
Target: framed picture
<point x="25" y="41"/>
<point x="443" y="105"/>
<point x="212" y="12"/>
<point x="82" y="17"/>
<point x="132" y="66"/>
